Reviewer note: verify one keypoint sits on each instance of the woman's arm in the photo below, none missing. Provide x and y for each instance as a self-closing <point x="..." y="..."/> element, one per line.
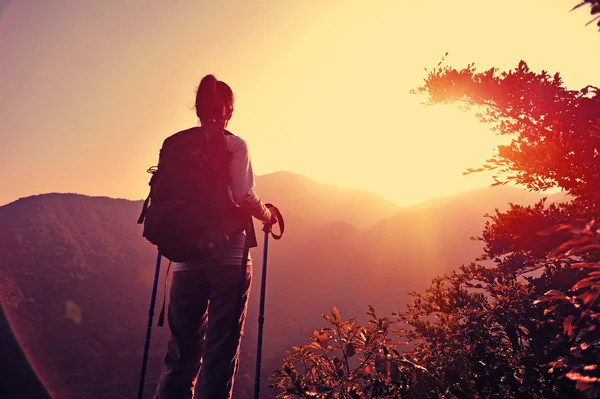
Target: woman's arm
<point x="242" y="180"/>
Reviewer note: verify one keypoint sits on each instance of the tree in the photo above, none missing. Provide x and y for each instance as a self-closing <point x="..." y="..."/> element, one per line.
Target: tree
<point x="556" y="136"/>
<point x="556" y="131"/>
<point x="478" y="329"/>
<point x="582" y="326"/>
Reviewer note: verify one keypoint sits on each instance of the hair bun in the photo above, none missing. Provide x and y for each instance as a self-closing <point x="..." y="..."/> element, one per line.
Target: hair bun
<point x="208" y="86"/>
<point x="211" y="103"/>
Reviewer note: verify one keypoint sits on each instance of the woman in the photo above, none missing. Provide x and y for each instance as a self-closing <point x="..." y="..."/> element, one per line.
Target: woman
<point x="202" y="354"/>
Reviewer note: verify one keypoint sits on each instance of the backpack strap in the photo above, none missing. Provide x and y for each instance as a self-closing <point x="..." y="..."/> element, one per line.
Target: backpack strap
<point x="142" y="217"/>
<point x="144" y="210"/>
<point x="161" y="317"/>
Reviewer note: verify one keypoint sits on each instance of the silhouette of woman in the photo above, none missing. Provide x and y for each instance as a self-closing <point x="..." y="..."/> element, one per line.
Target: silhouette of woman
<point x="205" y="297"/>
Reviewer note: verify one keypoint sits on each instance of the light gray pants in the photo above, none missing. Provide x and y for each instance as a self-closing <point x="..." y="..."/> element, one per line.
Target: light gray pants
<point x="206" y="316"/>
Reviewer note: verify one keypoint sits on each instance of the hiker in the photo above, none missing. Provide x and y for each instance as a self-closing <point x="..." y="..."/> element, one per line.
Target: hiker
<point x="209" y="298"/>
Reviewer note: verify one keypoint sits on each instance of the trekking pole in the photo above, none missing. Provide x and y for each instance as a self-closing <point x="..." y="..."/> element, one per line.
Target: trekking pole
<point x="149" y="330"/>
<point x="267" y="228"/>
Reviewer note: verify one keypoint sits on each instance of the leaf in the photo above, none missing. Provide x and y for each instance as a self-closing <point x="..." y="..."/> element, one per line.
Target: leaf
<point x="323" y="339"/>
<point x="395" y="373"/>
<point x="568" y="326"/>
<point x="583" y="382"/>
<point x="583" y="248"/>
<point x="415" y="365"/>
<point x="592" y="20"/>
<point x="398" y="343"/>
<point x="586" y="282"/>
<point x="578" y="5"/>
<point x="554" y="229"/>
<point x="336" y="314"/>
<point x="583" y="265"/>
<point x="383" y="366"/>
<point x="350" y="350"/>
<point x="565" y="249"/>
<point x="551" y="295"/>
<point x="315" y="345"/>
<point x="550" y="309"/>
<point x="590" y="296"/>
<point x="289" y="369"/>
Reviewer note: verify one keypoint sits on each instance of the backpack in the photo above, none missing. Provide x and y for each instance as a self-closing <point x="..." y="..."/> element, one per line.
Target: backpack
<point x="189" y="214"/>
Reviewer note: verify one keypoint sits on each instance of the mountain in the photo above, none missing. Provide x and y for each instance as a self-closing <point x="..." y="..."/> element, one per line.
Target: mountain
<point x="76" y="276"/>
<point x="75" y="279"/>
<point x="431" y="239"/>
<point x="307" y="204"/>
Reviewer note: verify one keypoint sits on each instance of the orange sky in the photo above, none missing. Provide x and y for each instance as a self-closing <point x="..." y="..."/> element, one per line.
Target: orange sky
<point x="91" y="88"/>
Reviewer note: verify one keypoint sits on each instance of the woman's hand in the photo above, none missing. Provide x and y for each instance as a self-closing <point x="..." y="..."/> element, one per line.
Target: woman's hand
<point x="273" y="215"/>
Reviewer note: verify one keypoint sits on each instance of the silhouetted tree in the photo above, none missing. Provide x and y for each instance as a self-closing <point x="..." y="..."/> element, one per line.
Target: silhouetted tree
<point x="556" y="131"/>
<point x="556" y="136"/>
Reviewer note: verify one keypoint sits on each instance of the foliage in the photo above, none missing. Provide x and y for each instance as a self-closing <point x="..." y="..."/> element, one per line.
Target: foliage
<point x="594" y="9"/>
<point x="475" y="333"/>
<point x="582" y="326"/>
<point x="481" y="332"/>
<point x="556" y="139"/>
<point x="347" y="360"/>
<point x="477" y="329"/>
<point x="556" y="132"/>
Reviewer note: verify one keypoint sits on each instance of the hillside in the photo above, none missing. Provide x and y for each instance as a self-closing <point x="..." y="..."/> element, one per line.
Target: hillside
<point x="64" y="250"/>
<point x="60" y="248"/>
<point x="433" y="238"/>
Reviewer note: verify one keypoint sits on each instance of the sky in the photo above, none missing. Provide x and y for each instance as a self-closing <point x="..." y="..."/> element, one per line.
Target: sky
<point x="90" y="89"/>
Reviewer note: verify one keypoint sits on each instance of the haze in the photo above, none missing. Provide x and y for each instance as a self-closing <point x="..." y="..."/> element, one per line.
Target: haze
<point x="91" y="88"/>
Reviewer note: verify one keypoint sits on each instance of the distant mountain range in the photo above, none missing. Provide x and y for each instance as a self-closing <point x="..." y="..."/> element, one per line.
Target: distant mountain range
<point x="76" y="275"/>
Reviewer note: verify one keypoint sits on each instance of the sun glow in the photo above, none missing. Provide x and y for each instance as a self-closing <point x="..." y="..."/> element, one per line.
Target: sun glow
<point x="322" y="89"/>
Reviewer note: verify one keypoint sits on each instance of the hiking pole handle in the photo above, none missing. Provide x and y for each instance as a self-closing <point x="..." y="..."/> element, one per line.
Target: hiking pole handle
<point x="268" y="226"/>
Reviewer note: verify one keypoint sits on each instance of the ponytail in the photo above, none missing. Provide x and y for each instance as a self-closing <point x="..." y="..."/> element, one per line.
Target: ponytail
<point x="209" y="105"/>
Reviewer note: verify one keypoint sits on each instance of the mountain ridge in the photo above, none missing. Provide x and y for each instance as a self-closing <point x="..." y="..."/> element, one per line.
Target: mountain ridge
<point x="441" y="200"/>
